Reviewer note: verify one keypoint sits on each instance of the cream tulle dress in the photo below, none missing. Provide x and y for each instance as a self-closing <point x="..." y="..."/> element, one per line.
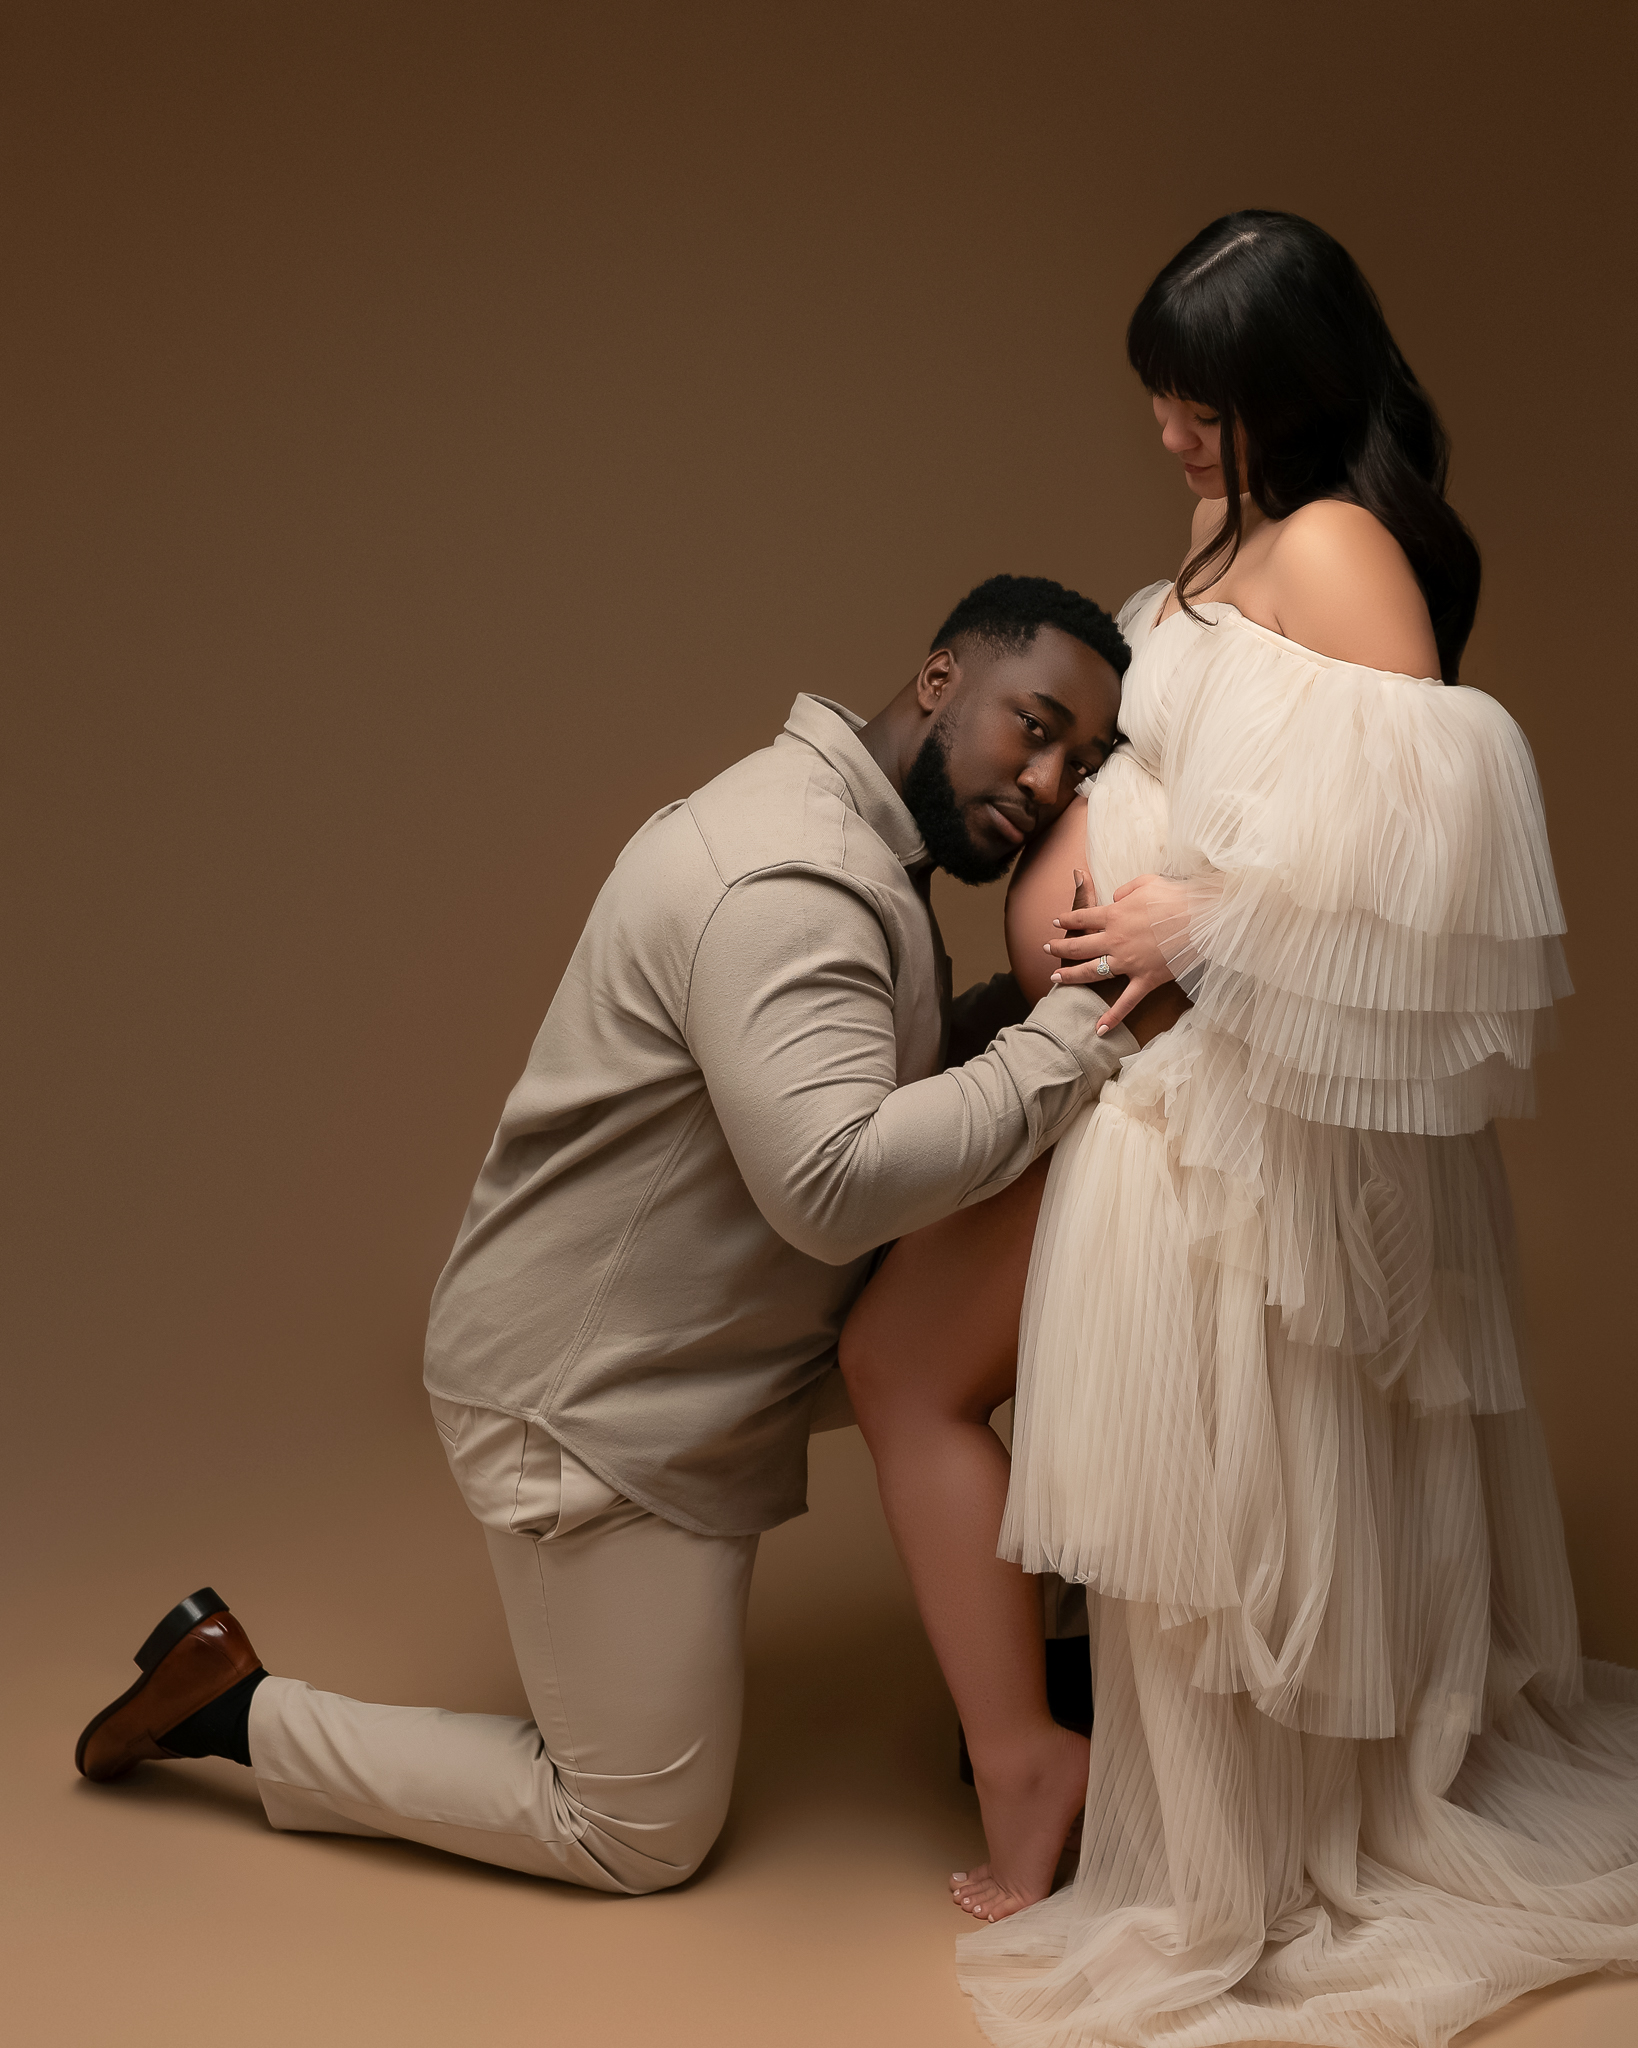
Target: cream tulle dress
<point x="1352" y="1781"/>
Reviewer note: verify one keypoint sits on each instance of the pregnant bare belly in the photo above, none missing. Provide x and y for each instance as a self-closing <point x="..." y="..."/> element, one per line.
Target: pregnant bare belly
<point x="1043" y="887"/>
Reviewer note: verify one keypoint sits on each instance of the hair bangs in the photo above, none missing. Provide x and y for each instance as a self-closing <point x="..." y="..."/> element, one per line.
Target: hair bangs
<point x="1176" y="348"/>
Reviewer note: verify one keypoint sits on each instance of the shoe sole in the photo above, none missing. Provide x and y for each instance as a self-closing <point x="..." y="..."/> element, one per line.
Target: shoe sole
<point x="186" y="1614"/>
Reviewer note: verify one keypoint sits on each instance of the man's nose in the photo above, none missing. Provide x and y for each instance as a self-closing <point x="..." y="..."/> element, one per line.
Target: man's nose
<point x="1042" y="776"/>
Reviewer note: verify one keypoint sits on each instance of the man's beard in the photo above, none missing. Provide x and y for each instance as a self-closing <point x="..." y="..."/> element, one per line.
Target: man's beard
<point x="930" y="798"/>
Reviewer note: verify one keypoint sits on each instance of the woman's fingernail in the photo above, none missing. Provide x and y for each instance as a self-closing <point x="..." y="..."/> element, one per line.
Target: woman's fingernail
<point x="958" y="1877"/>
<point x="1102" y="1028"/>
<point x="1056" y="979"/>
<point x="1047" y="948"/>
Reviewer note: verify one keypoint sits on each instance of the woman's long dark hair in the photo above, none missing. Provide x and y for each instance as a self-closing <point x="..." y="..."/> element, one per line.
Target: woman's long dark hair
<point x="1268" y="321"/>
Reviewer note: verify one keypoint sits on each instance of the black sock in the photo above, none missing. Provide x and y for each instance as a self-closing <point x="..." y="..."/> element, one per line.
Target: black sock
<point x="221" y="1729"/>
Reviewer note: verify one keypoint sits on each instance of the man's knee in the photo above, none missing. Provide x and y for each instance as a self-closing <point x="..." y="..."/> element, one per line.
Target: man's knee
<point x="655" y="1856"/>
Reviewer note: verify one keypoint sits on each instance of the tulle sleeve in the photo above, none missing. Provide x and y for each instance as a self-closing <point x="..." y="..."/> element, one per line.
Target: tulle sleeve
<point x="1372" y="910"/>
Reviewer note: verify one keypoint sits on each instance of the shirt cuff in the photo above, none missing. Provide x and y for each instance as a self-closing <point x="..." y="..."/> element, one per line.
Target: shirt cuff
<point x="1069" y="1014"/>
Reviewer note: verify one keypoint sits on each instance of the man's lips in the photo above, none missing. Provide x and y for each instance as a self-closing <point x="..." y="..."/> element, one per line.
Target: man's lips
<point x="1008" y="826"/>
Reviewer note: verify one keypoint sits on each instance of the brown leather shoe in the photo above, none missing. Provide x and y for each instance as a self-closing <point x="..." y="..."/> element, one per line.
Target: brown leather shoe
<point x="192" y="1658"/>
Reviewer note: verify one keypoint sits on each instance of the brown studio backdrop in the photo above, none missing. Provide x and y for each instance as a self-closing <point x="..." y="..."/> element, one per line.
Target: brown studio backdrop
<point x="441" y="434"/>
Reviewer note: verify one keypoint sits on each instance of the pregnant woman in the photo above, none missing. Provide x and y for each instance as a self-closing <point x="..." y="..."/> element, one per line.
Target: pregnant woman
<point x="1350" y="1778"/>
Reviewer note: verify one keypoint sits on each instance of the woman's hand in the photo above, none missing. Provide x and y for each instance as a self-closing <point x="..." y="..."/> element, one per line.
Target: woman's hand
<point x="1102" y="940"/>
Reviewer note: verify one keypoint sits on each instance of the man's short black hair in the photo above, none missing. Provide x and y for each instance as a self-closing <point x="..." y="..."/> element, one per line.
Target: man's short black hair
<point x="1007" y="611"/>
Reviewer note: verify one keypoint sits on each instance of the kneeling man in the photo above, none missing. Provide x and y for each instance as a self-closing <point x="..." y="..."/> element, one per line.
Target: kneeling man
<point x="740" y="1092"/>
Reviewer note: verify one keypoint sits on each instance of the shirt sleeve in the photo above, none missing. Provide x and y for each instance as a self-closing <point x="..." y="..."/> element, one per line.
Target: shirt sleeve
<point x="790" y="1018"/>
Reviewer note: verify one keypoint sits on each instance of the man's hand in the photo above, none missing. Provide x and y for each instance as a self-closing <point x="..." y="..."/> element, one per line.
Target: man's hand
<point x="1157" y="1012"/>
<point x="1122" y="934"/>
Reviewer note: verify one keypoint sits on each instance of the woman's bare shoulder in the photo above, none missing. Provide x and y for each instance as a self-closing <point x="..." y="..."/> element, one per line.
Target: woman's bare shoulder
<point x="1340" y="583"/>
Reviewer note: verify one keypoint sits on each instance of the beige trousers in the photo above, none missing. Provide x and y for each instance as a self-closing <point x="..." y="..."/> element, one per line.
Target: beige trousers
<point x="629" y="1636"/>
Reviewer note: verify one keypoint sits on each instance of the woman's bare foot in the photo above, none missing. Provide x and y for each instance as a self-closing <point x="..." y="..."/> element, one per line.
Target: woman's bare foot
<point x="1029" y="1801"/>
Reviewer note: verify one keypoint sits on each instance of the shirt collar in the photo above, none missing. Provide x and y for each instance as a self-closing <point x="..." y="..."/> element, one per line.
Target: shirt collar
<point x="833" y="731"/>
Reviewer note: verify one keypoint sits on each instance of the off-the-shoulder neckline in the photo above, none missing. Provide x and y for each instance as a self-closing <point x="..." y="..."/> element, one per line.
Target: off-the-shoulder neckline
<point x="1221" y="604"/>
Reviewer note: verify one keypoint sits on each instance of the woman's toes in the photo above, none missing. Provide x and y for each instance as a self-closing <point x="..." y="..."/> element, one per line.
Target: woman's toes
<point x="990" y="1900"/>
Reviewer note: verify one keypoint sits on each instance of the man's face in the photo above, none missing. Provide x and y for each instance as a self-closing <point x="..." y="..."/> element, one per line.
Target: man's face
<point x="1012" y="737"/>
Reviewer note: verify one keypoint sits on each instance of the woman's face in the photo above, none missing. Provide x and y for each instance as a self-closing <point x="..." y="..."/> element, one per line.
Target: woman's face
<point x="1191" y="432"/>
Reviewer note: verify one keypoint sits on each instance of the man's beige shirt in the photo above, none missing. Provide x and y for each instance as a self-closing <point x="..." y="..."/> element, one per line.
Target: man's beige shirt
<point x="735" y="1098"/>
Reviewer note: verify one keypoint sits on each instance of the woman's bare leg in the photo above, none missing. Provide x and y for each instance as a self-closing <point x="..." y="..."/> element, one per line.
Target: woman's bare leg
<point x="929" y="1352"/>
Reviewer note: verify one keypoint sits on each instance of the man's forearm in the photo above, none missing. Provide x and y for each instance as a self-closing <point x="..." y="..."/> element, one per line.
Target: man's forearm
<point x="795" y="1037"/>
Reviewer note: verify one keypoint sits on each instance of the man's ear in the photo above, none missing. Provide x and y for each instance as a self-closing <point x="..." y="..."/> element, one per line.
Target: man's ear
<point x="940" y="673"/>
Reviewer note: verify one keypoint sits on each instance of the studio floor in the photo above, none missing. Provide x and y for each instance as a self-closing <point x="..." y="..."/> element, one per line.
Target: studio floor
<point x="163" y="1911"/>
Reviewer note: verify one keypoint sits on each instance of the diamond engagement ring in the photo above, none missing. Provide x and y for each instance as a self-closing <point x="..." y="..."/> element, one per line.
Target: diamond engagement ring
<point x="1101" y="967"/>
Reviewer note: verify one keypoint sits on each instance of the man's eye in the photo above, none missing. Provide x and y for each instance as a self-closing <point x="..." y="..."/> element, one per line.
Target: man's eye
<point x="1035" y="728"/>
